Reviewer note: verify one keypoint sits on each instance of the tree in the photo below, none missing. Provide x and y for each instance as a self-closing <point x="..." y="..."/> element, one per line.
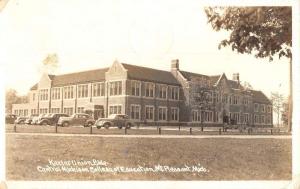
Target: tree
<point x="277" y="102"/>
<point x="284" y="113"/>
<point x="263" y="31"/>
<point x="11" y="98"/>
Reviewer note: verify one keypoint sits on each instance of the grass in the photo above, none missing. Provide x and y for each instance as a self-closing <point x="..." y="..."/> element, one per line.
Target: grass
<point x="225" y="158"/>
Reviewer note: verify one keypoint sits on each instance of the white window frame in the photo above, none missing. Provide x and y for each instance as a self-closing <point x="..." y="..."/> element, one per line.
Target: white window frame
<point x="80" y="109"/>
<point x="134" y="115"/>
<point x="117" y="109"/>
<point x="153" y="112"/>
<point x="166" y="113"/>
<point x="263" y="108"/>
<point x="196" y="116"/>
<point x="68" y="92"/>
<point x="134" y="86"/>
<point x="98" y="87"/>
<point x="174" y="93"/>
<point x="44" y="94"/>
<point x="83" y="91"/>
<point x="172" y="118"/>
<point x="115" y="88"/>
<point x="66" y="110"/>
<point x="160" y="87"/>
<point x="56" y="93"/>
<point x="147" y="87"/>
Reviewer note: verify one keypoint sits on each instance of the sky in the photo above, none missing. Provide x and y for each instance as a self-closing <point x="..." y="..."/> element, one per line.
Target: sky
<point x="93" y="34"/>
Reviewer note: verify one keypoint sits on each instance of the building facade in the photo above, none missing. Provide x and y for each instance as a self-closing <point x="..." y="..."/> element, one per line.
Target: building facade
<point x="150" y="96"/>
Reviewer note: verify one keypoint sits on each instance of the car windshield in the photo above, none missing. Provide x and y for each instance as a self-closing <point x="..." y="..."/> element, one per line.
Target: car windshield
<point x="112" y="116"/>
<point x="41" y="115"/>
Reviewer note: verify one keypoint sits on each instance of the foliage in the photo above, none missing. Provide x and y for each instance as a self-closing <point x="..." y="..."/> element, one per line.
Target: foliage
<point x="265" y="31"/>
<point x="285" y="113"/>
<point x="11" y="97"/>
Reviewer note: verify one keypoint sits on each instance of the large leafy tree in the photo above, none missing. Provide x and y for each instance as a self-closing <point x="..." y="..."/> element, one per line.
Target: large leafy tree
<point x="11" y="97"/>
<point x="265" y="32"/>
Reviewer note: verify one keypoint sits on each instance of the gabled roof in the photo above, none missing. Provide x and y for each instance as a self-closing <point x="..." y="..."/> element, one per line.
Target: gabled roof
<point x="79" y="77"/>
<point x="34" y="87"/>
<point x="190" y="75"/>
<point x="214" y="79"/>
<point x="260" y="97"/>
<point x="234" y="84"/>
<point x="149" y="74"/>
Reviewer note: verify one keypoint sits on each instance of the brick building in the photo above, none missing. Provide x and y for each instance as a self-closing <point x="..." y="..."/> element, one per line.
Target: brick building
<point x="151" y="96"/>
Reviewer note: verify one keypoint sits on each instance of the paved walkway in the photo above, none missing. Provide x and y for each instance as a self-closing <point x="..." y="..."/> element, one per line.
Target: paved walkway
<point x="158" y="136"/>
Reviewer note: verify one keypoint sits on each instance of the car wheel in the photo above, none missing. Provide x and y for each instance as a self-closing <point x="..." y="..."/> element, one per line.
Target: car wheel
<point x="44" y="123"/>
<point x="90" y="124"/>
<point x="98" y="127"/>
<point x="106" y="125"/>
<point x="21" y="122"/>
<point x="120" y="127"/>
<point x="65" y="124"/>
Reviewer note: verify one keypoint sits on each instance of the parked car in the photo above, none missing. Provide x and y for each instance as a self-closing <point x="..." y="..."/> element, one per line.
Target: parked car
<point x="114" y="120"/>
<point x="51" y="119"/>
<point x="76" y="119"/>
<point x="29" y="119"/>
<point x="10" y="118"/>
<point x="20" y="120"/>
<point x="36" y="119"/>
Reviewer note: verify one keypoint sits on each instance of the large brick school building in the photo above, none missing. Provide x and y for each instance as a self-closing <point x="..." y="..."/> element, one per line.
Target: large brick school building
<point x="151" y="96"/>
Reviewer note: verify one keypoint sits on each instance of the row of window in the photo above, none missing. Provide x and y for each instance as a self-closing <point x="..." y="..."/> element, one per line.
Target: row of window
<point x="208" y="116"/>
<point x="262" y="108"/>
<point x="115" y="88"/>
<point x="135" y="111"/>
<point x="262" y="119"/>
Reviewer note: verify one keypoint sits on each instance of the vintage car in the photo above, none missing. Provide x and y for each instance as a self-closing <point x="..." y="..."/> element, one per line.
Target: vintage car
<point x="76" y="119"/>
<point x="30" y="118"/>
<point x="51" y="119"/>
<point x="20" y="120"/>
<point x="37" y="118"/>
<point x="10" y="118"/>
<point x="114" y="120"/>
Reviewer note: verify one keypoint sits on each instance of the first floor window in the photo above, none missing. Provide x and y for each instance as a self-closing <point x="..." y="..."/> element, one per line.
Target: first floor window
<point x="135" y="112"/>
<point x="246" y="118"/>
<point x="55" y="110"/>
<point x="16" y="112"/>
<point x="196" y="116"/>
<point x="216" y="116"/>
<point x="80" y="110"/>
<point x="115" y="109"/>
<point x="268" y="119"/>
<point x="174" y="114"/>
<point x="43" y="110"/>
<point x="256" y="119"/>
<point x="262" y="119"/>
<point x="25" y="112"/>
<point x="149" y="111"/>
<point x="208" y="115"/>
<point x="162" y="113"/>
<point x="68" y="111"/>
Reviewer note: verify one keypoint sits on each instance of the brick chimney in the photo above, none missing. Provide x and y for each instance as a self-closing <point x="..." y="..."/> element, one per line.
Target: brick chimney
<point x="236" y="77"/>
<point x="175" y="64"/>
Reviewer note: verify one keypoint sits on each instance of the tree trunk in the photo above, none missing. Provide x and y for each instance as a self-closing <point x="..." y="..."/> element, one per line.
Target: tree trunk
<point x="290" y="112"/>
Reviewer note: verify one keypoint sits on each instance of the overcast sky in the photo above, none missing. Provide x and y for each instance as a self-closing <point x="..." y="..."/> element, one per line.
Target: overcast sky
<point x="92" y="34"/>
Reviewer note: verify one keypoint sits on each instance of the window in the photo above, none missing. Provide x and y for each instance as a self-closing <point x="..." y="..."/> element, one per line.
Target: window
<point x="135" y="112"/>
<point x="230" y="100"/>
<point x="149" y="87"/>
<point x="246" y="118"/>
<point x="216" y="116"/>
<point x="216" y="97"/>
<point x="236" y="117"/>
<point x="174" y="114"/>
<point x="16" y="112"/>
<point x="55" y="110"/>
<point x="162" y="89"/>
<point x="44" y="94"/>
<point x="196" y="116"/>
<point x="25" y="112"/>
<point x="83" y="91"/>
<point x="68" y="111"/>
<point x="135" y="88"/>
<point x="115" y="109"/>
<point x="115" y="88"/>
<point x="80" y="110"/>
<point x="255" y="107"/>
<point x="269" y="109"/>
<point x="268" y="119"/>
<point x="149" y="112"/>
<point x="43" y="110"/>
<point x="175" y="93"/>
<point x="262" y="119"/>
<point x="162" y="113"/>
<point x="208" y="116"/>
<point x="235" y="99"/>
<point x="263" y="108"/>
<point x="245" y="100"/>
<point x="256" y="119"/>
<point x="225" y="98"/>
<point x="98" y="89"/>
<point x="55" y="93"/>
<point x="68" y="92"/>
<point x="33" y="111"/>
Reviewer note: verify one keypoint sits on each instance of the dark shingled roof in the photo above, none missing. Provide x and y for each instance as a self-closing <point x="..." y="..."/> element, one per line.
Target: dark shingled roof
<point x="214" y="78"/>
<point x="79" y="77"/>
<point x="34" y="87"/>
<point x="260" y="97"/>
<point x="149" y="74"/>
<point x="190" y="75"/>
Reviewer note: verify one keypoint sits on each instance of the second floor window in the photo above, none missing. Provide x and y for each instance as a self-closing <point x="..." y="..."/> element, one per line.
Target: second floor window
<point x="83" y="91"/>
<point x="162" y="91"/>
<point x="55" y="93"/>
<point x="256" y="107"/>
<point x="149" y="89"/>
<point x="135" y="88"/>
<point x="235" y="99"/>
<point x="98" y="89"/>
<point x="115" y="88"/>
<point x="44" y="94"/>
<point x="262" y="107"/>
<point x="68" y="92"/>
<point x="175" y="93"/>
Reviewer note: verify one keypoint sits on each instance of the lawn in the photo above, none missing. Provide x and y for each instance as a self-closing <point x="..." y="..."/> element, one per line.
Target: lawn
<point x="225" y="158"/>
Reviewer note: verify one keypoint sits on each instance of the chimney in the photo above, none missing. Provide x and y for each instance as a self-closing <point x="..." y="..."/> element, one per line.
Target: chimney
<point x="236" y="77"/>
<point x="175" y="64"/>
